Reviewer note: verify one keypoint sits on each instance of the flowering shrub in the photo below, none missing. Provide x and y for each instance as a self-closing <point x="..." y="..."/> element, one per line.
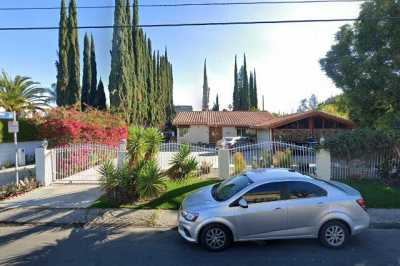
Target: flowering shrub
<point x="65" y="126"/>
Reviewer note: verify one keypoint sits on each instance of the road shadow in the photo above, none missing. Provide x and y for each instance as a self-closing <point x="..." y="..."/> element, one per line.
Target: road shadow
<point x="122" y="245"/>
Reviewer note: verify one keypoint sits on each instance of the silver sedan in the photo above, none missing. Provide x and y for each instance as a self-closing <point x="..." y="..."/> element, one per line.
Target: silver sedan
<point x="272" y="204"/>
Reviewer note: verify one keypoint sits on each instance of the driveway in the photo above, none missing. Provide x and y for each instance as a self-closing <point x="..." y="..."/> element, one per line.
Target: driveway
<point x="45" y="245"/>
<point x="56" y="196"/>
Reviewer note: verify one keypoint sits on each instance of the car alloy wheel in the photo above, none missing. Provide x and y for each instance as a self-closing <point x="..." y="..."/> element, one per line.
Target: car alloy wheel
<point x="335" y="235"/>
<point x="215" y="237"/>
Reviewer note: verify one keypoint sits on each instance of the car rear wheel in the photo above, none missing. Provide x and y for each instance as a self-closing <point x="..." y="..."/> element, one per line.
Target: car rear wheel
<point x="215" y="237"/>
<point x="334" y="234"/>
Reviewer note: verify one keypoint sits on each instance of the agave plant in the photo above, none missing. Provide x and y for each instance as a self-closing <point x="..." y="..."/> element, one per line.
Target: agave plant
<point x="118" y="183"/>
<point x="21" y="94"/>
<point x="140" y="175"/>
<point x="150" y="180"/>
<point x="182" y="164"/>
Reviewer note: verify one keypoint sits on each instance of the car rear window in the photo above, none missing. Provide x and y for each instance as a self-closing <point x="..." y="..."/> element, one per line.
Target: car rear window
<point x="302" y="190"/>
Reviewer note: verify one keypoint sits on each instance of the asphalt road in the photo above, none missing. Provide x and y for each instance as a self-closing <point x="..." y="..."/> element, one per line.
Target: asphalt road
<point x="45" y="245"/>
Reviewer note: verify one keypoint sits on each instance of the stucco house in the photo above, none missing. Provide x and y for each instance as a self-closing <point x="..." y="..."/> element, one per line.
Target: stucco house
<point x="207" y="127"/>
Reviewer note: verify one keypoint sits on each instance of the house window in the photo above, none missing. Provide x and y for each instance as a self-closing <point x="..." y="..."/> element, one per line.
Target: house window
<point x="246" y="132"/>
<point x="183" y="131"/>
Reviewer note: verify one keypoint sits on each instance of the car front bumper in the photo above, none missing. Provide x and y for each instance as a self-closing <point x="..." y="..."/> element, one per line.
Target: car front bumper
<point x="186" y="229"/>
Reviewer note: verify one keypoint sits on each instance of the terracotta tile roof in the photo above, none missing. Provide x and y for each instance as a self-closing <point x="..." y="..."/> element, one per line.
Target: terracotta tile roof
<point x="210" y="118"/>
<point x="280" y="121"/>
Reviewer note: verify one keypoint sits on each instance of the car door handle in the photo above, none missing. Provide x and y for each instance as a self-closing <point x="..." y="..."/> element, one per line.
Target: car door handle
<point x="321" y="204"/>
<point x="278" y="208"/>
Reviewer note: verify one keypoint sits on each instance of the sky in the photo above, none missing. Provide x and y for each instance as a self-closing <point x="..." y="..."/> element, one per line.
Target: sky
<point x="285" y="56"/>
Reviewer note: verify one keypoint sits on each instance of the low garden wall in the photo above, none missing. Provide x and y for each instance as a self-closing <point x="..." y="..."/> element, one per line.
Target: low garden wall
<point x="7" y="152"/>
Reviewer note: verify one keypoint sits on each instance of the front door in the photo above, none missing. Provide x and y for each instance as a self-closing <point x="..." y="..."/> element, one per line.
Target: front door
<point x="215" y="134"/>
<point x="266" y="215"/>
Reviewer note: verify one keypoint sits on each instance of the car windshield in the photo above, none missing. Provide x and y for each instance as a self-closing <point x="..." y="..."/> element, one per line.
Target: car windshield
<point x="230" y="187"/>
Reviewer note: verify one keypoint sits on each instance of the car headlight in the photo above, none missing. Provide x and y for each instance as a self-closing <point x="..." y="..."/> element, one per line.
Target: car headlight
<point x="189" y="216"/>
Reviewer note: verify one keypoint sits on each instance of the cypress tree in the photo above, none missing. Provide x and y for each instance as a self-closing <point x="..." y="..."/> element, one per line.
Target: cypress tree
<point x="87" y="74"/>
<point x="244" y="90"/>
<point x="139" y="77"/>
<point x="135" y="34"/>
<point x="120" y="79"/>
<point x="251" y="91"/>
<point x="236" y="92"/>
<point x="62" y="63"/>
<point x="100" y="100"/>
<point x="93" y="65"/>
<point x="255" y="93"/>
<point x="216" y="104"/>
<point x="73" y="87"/>
<point x="206" y="89"/>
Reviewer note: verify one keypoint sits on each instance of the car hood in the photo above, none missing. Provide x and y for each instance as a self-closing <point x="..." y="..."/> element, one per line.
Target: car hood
<point x="200" y="199"/>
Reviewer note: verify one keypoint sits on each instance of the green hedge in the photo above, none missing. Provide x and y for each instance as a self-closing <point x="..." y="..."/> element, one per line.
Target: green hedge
<point x="28" y="131"/>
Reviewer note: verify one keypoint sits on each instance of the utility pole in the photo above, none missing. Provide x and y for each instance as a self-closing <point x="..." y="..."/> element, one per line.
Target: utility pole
<point x="16" y="149"/>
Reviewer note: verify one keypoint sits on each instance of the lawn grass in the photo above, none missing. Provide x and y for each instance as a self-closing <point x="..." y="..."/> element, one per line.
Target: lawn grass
<point x="376" y="193"/>
<point x="171" y="199"/>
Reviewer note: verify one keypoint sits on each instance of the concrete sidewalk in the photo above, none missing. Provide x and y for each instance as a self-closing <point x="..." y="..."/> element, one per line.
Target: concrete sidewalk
<point x="56" y="196"/>
<point x="380" y="218"/>
<point x="89" y="216"/>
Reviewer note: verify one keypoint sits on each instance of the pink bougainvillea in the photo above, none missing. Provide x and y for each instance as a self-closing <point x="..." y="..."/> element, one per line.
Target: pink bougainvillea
<point x="68" y="126"/>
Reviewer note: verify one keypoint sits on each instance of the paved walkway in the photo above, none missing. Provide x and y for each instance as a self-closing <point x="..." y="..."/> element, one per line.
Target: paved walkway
<point x="56" y="196"/>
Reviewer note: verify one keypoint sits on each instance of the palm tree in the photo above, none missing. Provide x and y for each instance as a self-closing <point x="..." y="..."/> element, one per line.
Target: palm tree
<point x="21" y="94"/>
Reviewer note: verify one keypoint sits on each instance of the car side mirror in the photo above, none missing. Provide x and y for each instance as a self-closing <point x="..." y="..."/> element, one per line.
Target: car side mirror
<point x="243" y="203"/>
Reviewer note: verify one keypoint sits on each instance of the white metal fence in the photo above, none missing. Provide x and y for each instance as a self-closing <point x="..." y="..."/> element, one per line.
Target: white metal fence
<point x="204" y="155"/>
<point x="272" y="154"/>
<point x="73" y="159"/>
<point x="376" y="165"/>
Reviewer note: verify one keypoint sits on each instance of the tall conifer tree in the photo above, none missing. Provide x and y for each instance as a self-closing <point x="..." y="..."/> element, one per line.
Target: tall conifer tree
<point x="62" y="63"/>
<point x="251" y="91"/>
<point x="244" y="90"/>
<point x="100" y="100"/>
<point x="73" y="87"/>
<point x="255" y="93"/>
<point x="206" y="89"/>
<point x="121" y="78"/>
<point x="93" y="65"/>
<point x="87" y="74"/>
<point x="236" y="92"/>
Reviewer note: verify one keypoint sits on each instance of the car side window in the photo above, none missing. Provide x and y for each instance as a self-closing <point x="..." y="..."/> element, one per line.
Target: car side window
<point x="265" y="193"/>
<point x="302" y="190"/>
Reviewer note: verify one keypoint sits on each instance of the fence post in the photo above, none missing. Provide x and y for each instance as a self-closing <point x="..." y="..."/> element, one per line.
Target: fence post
<point x="43" y="165"/>
<point x="122" y="153"/>
<point x="223" y="163"/>
<point x="323" y="164"/>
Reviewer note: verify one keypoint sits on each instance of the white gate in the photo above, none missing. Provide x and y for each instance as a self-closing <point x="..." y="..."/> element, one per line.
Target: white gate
<point x="272" y="154"/>
<point x="80" y="162"/>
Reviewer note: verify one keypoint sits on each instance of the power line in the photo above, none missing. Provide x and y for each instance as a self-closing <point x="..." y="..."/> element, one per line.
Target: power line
<point x="198" y="24"/>
<point x="189" y="4"/>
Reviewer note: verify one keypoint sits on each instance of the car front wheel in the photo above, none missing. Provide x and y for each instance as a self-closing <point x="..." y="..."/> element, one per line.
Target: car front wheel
<point x="334" y="234"/>
<point x="215" y="237"/>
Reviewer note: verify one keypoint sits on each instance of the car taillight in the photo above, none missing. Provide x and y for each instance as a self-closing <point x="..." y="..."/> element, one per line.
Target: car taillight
<point x="362" y="203"/>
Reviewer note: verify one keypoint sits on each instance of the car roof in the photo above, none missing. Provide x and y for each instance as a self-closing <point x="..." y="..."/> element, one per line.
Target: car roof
<point x="265" y="174"/>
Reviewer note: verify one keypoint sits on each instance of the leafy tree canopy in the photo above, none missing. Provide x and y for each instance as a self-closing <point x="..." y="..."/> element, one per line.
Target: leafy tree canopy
<point x="364" y="62"/>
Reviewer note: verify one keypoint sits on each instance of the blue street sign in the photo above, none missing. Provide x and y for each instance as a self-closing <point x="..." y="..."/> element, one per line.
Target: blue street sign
<point x="6" y="115"/>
